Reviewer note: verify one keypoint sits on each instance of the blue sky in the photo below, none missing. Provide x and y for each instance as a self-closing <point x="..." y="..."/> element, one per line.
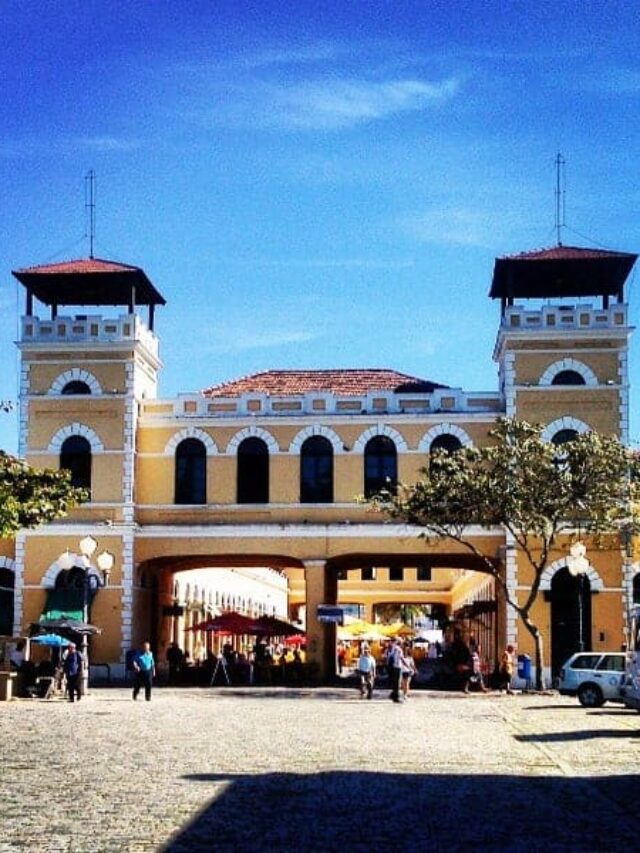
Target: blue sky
<point x="318" y="184"/>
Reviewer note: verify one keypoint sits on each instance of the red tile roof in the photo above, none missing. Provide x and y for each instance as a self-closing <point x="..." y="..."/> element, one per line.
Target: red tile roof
<point x="80" y="266"/>
<point x="348" y="382"/>
<point x="565" y="253"/>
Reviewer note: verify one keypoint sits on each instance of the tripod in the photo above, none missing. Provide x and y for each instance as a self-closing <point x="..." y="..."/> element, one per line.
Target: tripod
<point x="221" y="666"/>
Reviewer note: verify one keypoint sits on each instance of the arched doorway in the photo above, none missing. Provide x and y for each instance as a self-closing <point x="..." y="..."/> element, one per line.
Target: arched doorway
<point x="570" y="616"/>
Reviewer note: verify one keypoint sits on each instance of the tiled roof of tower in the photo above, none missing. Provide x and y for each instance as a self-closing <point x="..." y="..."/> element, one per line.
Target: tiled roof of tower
<point x="565" y="253"/>
<point x="340" y="382"/>
<point x="89" y="281"/>
<point x="82" y="266"/>
<point x="561" y="272"/>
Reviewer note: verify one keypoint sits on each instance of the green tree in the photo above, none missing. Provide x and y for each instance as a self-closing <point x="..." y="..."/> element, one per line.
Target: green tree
<point x="537" y="491"/>
<point x="32" y="496"/>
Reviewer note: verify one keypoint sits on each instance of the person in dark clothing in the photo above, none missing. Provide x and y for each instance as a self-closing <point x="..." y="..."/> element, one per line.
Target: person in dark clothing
<point x="460" y="661"/>
<point x="73" y="665"/>
<point x="145" y="668"/>
<point x="175" y="659"/>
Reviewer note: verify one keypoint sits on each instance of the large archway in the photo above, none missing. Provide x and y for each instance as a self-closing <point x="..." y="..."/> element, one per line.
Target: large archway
<point x="570" y="616"/>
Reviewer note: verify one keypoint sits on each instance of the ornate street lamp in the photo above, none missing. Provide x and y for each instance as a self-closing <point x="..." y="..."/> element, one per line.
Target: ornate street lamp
<point x="578" y="566"/>
<point x="91" y="582"/>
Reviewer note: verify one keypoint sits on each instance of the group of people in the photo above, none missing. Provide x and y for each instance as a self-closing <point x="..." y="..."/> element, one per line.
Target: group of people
<point x="400" y="666"/>
<point x="464" y="661"/>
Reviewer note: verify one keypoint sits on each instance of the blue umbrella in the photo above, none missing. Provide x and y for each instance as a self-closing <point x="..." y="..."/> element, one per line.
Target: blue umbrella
<point x="54" y="640"/>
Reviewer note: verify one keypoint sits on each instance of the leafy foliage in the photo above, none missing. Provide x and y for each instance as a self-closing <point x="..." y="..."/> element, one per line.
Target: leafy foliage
<point x="536" y="490"/>
<point x="32" y="496"/>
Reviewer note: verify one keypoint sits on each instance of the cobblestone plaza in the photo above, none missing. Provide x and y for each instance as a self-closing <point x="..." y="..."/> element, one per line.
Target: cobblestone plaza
<point x="312" y="770"/>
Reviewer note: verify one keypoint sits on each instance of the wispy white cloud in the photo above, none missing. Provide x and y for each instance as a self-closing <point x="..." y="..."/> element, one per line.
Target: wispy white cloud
<point x="325" y="103"/>
<point x="615" y="81"/>
<point x="323" y="263"/>
<point x="452" y="226"/>
<point x="34" y="146"/>
<point x="240" y="340"/>
<point x="302" y="55"/>
<point x="107" y="143"/>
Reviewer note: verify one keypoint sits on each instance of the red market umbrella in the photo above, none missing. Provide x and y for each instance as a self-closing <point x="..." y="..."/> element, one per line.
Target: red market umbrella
<point x="227" y="623"/>
<point x="296" y="640"/>
<point x="271" y="626"/>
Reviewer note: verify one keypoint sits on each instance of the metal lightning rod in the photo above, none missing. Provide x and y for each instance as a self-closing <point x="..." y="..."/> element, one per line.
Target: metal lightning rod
<point x="90" y="207"/>
<point x="560" y="197"/>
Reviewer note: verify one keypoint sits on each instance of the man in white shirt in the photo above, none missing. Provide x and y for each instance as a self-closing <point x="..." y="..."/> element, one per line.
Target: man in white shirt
<point x="394" y="665"/>
<point x="366" y="672"/>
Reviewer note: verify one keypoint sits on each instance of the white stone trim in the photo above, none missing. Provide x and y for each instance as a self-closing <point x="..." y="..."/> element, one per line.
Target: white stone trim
<point x="76" y="374"/>
<point x="509" y="380"/>
<point x="55" y="445"/>
<point x="191" y="432"/>
<point x="511" y="580"/>
<point x="568" y="364"/>
<point x="444" y="429"/>
<point x="126" y="611"/>
<point x="623" y="373"/>
<point x="23" y="433"/>
<point x="316" y="429"/>
<point x="8" y="563"/>
<point x="48" y="580"/>
<point x="547" y="576"/>
<point x="567" y="422"/>
<point x="252" y="432"/>
<point x="295" y="530"/>
<point x="380" y="429"/>
<point x="630" y="570"/>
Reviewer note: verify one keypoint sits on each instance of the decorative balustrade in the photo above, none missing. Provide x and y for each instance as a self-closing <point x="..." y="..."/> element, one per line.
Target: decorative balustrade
<point x="564" y="317"/>
<point x="88" y="328"/>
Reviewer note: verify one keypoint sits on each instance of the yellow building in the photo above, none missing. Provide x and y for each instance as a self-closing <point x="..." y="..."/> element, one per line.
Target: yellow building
<point x="264" y="471"/>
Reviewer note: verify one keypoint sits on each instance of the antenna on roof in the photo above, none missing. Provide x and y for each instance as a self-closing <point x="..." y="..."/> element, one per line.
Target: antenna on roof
<point x="90" y="208"/>
<point x="561" y="189"/>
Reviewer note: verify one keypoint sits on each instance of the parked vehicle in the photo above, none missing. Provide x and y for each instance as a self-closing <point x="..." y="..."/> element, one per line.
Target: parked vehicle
<point x="594" y="677"/>
<point x="631" y="684"/>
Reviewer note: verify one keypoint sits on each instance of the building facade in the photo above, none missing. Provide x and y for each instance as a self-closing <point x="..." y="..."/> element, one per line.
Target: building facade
<point x="265" y="471"/>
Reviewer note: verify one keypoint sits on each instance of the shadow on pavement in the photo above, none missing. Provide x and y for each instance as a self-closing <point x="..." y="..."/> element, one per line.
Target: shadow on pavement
<point x="364" y="811"/>
<point x="591" y="734"/>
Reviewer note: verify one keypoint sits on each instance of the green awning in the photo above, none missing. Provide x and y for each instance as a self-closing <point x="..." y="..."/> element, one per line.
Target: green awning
<point x="63" y="604"/>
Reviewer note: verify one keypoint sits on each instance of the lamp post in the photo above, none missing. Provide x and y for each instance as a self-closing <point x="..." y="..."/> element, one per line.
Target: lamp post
<point x="578" y="566"/>
<point x="91" y="582"/>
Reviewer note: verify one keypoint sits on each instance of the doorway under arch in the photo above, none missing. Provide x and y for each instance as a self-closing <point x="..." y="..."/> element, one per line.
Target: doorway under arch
<point x="570" y="617"/>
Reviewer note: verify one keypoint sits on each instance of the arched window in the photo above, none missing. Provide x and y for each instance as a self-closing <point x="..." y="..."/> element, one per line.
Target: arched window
<point x="75" y="456"/>
<point x="447" y="442"/>
<point x="76" y="386"/>
<point x="191" y="472"/>
<point x="636" y="589"/>
<point x="380" y="465"/>
<point x="568" y="377"/>
<point x="7" y="582"/>
<point x="316" y="471"/>
<point x="563" y="436"/>
<point x="253" y="472"/>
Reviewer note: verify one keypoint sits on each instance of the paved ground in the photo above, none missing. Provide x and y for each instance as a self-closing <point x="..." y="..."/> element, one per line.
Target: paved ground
<point x="284" y="770"/>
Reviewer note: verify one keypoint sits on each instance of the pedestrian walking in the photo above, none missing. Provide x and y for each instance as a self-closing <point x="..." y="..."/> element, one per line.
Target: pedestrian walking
<point x="175" y="659"/>
<point x="394" y="667"/>
<point x="366" y="672"/>
<point x="477" y="679"/>
<point x="506" y="669"/>
<point x="407" y="672"/>
<point x="73" y="665"/>
<point x="145" y="669"/>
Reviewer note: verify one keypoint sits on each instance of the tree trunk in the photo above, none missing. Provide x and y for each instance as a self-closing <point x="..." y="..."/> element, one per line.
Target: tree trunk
<point x="537" y="638"/>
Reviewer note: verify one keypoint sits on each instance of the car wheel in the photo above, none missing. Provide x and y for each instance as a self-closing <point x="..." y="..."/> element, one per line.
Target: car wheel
<point x="590" y="696"/>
